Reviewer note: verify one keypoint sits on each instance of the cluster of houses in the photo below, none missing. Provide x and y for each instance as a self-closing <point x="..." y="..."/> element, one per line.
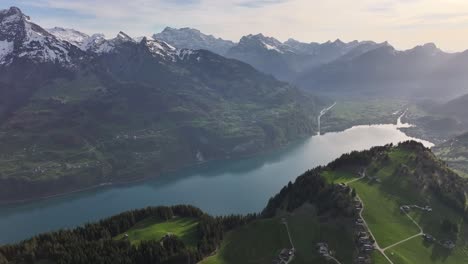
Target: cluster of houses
<point x="365" y="245"/>
<point x="407" y="208"/>
<point x="67" y="166"/>
<point x="357" y="206"/>
<point x="39" y="170"/>
<point x="43" y="169"/>
<point x="448" y="244"/>
<point x="83" y="165"/>
<point x="125" y="137"/>
<point x="285" y="256"/>
<point x="364" y="241"/>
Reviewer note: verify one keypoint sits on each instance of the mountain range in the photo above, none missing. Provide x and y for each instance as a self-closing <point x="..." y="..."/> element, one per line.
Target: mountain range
<point x="79" y="111"/>
<point x="284" y="60"/>
<point x="332" y="68"/>
<point x="189" y="38"/>
<point x="354" y="68"/>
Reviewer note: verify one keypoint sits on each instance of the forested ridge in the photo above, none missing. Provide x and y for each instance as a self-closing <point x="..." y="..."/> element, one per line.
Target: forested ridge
<point x="94" y="243"/>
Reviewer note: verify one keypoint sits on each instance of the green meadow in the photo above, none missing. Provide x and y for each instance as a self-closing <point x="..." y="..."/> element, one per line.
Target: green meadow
<point x="155" y="229"/>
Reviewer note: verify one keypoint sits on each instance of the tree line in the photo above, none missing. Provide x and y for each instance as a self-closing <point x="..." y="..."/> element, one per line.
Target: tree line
<point x="312" y="188"/>
<point x="95" y="243"/>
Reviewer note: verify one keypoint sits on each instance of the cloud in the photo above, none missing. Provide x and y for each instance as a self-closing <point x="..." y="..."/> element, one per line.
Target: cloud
<point x="183" y="2"/>
<point x="259" y="3"/>
<point x="385" y="7"/>
<point x="443" y="16"/>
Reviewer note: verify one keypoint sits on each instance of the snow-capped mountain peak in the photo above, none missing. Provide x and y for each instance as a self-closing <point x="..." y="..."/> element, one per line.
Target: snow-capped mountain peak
<point x="20" y="38"/>
<point x="193" y="39"/>
<point x="124" y="37"/>
<point x="259" y="41"/>
<point x="70" y="35"/>
<point x="161" y="49"/>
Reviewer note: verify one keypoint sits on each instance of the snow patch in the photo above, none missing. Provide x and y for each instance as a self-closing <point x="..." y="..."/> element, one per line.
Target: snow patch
<point x="270" y="47"/>
<point x="43" y="47"/>
<point x="69" y="35"/>
<point x="6" y="48"/>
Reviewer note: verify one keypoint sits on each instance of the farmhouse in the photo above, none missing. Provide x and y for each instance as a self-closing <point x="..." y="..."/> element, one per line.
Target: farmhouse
<point x="428" y="238"/>
<point x="404" y="208"/>
<point x="448" y="244"/>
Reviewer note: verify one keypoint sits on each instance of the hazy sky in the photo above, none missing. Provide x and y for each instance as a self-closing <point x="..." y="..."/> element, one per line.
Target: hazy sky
<point x="404" y="23"/>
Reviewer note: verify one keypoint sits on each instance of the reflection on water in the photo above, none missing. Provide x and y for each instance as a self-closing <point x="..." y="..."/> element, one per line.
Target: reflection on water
<point x="218" y="187"/>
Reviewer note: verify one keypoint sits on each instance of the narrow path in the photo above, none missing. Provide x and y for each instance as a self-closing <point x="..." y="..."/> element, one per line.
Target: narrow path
<point x="403" y="241"/>
<point x="289" y="234"/>
<point x="334" y="259"/>
<point x="355" y="180"/>
<point x="414" y="221"/>
<point x="409" y="238"/>
<point x="290" y="241"/>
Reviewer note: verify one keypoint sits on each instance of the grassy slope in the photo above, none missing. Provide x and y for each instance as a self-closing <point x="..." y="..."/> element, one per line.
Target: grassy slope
<point x="155" y="229"/>
<point x="382" y="213"/>
<point x="378" y="258"/>
<point x="383" y="216"/>
<point x="258" y="242"/>
<point x="416" y="251"/>
<point x="339" y="176"/>
<point x="261" y="241"/>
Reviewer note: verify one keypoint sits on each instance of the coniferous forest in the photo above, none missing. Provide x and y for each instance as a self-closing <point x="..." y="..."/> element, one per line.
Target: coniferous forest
<point x="95" y="243"/>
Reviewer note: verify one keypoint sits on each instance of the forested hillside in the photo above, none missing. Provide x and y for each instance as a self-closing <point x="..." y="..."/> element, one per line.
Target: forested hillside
<point x="123" y="110"/>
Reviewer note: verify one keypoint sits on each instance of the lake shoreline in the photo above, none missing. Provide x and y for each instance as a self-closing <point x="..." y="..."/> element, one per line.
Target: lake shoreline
<point x="129" y="182"/>
<point x="237" y="186"/>
<point x="194" y="165"/>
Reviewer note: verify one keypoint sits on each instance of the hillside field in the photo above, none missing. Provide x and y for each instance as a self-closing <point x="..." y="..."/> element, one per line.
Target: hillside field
<point x="155" y="229"/>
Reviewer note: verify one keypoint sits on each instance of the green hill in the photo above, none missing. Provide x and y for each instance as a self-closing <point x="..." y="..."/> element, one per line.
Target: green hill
<point x="407" y="174"/>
